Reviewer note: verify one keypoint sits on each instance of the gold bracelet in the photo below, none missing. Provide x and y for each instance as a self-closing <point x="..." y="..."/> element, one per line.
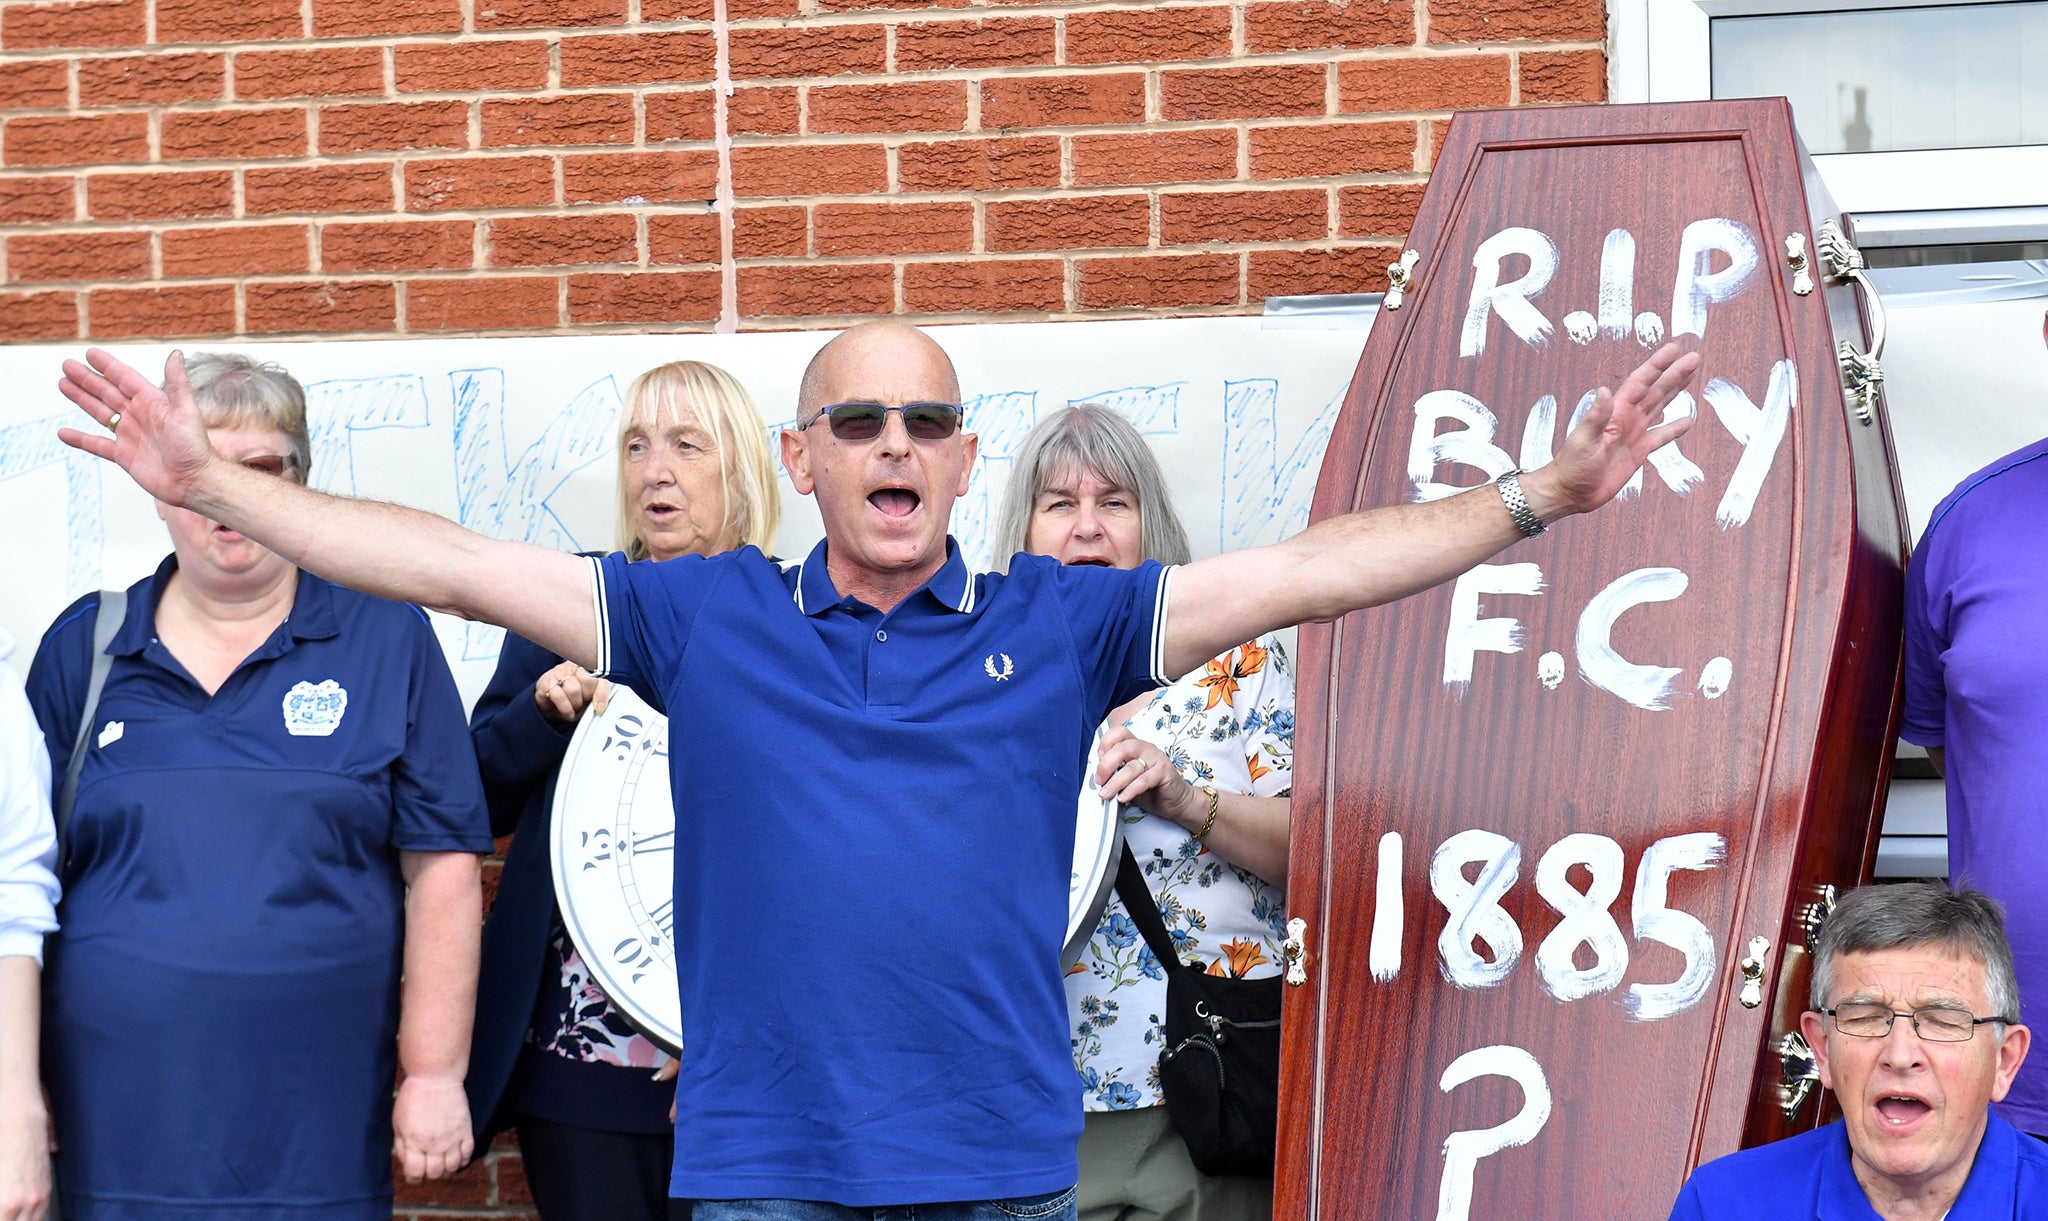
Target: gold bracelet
<point x="1209" y="823"/>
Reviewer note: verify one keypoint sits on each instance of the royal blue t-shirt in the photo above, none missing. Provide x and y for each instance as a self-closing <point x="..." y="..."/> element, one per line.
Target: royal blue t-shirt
<point x="222" y="998"/>
<point x="1977" y="685"/>
<point x="874" y="836"/>
<point x="1809" y="1177"/>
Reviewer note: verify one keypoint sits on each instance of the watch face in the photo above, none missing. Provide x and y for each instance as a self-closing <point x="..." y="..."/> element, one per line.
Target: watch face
<point x="614" y="861"/>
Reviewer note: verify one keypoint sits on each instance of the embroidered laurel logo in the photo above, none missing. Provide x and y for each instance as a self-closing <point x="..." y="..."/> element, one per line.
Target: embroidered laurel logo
<point x="990" y="665"/>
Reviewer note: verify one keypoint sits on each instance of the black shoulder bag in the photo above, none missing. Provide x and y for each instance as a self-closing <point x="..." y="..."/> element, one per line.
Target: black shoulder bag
<point x="1220" y="1070"/>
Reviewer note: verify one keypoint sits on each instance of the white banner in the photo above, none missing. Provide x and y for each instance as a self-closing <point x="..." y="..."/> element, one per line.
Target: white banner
<point x="516" y="437"/>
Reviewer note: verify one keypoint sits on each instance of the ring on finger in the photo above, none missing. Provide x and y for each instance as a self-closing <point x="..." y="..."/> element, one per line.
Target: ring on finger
<point x="113" y="421"/>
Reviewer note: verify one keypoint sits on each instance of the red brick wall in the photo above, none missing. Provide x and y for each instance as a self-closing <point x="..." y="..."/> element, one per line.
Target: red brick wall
<point x="376" y="167"/>
<point x="204" y="168"/>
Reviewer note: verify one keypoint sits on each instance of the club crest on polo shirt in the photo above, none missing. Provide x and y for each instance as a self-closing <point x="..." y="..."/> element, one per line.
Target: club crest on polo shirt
<point x="314" y="710"/>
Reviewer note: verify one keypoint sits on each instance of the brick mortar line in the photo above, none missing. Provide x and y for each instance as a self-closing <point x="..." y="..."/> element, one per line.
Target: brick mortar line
<point x="892" y="140"/>
<point x="1254" y="58"/>
<point x="196" y="225"/>
<point x="174" y="224"/>
<point x="331" y="160"/>
<point x="819" y="21"/>
<point x="1292" y="58"/>
<point x="696" y="208"/>
<point x="454" y="275"/>
<point x="750" y="139"/>
<point x="749" y="323"/>
<point x="561" y="272"/>
<point x="796" y="139"/>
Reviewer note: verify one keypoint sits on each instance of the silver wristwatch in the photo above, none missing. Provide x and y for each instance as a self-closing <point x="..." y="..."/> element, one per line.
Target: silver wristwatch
<point x="1526" y="521"/>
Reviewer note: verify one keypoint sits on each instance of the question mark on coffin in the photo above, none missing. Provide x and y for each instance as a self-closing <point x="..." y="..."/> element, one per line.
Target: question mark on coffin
<point x="1463" y="1149"/>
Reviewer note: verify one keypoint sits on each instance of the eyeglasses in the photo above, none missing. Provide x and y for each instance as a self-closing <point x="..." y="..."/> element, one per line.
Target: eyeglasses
<point x="863" y="421"/>
<point x="270" y="464"/>
<point x="1936" y="1023"/>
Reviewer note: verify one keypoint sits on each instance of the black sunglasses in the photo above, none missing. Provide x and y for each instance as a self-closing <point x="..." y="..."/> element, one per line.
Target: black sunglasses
<point x="862" y="421"/>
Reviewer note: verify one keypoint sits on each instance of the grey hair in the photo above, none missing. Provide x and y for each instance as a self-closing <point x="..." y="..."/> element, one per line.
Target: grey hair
<point x="1089" y="437"/>
<point x="232" y="390"/>
<point x="1908" y="915"/>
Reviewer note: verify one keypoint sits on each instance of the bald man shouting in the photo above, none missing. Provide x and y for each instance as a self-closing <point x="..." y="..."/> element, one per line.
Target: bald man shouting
<point x="876" y="753"/>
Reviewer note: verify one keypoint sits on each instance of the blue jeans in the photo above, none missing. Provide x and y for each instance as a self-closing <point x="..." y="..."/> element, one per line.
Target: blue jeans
<point x="1056" y="1206"/>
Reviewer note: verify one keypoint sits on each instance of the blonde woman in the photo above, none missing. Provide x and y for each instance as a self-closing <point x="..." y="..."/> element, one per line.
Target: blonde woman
<point x="552" y="1058"/>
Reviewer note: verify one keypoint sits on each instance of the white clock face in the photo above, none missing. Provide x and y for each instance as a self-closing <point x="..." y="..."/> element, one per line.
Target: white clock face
<point x="614" y="861"/>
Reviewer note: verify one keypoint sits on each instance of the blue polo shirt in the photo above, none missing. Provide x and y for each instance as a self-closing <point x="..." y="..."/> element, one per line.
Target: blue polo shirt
<point x="222" y="998"/>
<point x="874" y="836"/>
<point x="1808" y="1178"/>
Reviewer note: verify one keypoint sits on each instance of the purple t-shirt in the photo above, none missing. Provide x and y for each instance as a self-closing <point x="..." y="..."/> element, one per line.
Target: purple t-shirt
<point x="1977" y="685"/>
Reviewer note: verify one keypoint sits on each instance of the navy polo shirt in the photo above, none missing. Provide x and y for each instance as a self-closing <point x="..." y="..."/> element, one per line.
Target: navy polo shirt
<point x="1809" y="1178"/>
<point x="222" y="997"/>
<point x="874" y="835"/>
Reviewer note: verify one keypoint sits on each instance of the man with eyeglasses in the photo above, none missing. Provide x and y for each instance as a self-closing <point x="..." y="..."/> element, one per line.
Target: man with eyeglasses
<point x="876" y="754"/>
<point x="1915" y="1029"/>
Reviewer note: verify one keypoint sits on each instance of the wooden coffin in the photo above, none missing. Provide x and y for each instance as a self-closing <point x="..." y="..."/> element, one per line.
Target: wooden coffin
<point x="1544" y="817"/>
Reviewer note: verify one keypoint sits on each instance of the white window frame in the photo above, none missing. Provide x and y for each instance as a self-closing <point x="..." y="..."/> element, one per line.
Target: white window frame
<point x="1661" y="54"/>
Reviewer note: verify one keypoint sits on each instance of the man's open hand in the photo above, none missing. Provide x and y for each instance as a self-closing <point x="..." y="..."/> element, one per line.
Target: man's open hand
<point x="1615" y="438"/>
<point x="159" y="437"/>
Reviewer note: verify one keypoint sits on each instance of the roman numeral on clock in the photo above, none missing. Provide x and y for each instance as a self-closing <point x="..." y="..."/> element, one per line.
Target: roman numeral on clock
<point x="655" y="841"/>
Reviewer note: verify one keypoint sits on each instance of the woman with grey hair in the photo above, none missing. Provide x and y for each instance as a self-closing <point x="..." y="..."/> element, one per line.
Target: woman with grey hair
<point x="270" y="872"/>
<point x="1205" y="765"/>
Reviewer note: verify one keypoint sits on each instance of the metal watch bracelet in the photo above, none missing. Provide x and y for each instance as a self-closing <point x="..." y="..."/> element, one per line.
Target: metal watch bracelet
<point x="1510" y="487"/>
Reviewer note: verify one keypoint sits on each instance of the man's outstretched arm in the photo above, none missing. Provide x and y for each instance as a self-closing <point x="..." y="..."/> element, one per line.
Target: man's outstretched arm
<point x="1380" y="555"/>
<point x="383" y="549"/>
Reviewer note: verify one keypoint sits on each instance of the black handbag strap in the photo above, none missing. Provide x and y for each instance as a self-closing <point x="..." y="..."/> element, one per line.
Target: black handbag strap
<point x="113" y="609"/>
<point x="1144" y="910"/>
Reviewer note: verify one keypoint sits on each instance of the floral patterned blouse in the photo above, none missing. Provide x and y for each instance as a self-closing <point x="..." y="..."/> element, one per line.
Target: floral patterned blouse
<point x="587" y="1026"/>
<point x="1228" y="726"/>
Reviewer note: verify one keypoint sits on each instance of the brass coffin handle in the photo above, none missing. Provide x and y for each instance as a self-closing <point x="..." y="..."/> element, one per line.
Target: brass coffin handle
<point x="1295" y="952"/>
<point x="1752" y="966"/>
<point x="1800" y="266"/>
<point x="1861" y="373"/>
<point x="1801" y="1073"/>
<point x="1815" y="914"/>
<point x="1399" y="276"/>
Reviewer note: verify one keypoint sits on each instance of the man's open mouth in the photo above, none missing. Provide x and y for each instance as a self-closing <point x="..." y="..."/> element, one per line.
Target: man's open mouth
<point x="894" y="502"/>
<point x="1902" y="1110"/>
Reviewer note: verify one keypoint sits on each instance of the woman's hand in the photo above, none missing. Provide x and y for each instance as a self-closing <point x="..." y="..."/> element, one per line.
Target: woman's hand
<point x="430" y="1128"/>
<point x="25" y="1144"/>
<point x="563" y="693"/>
<point x="668" y="1072"/>
<point x="1132" y="770"/>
